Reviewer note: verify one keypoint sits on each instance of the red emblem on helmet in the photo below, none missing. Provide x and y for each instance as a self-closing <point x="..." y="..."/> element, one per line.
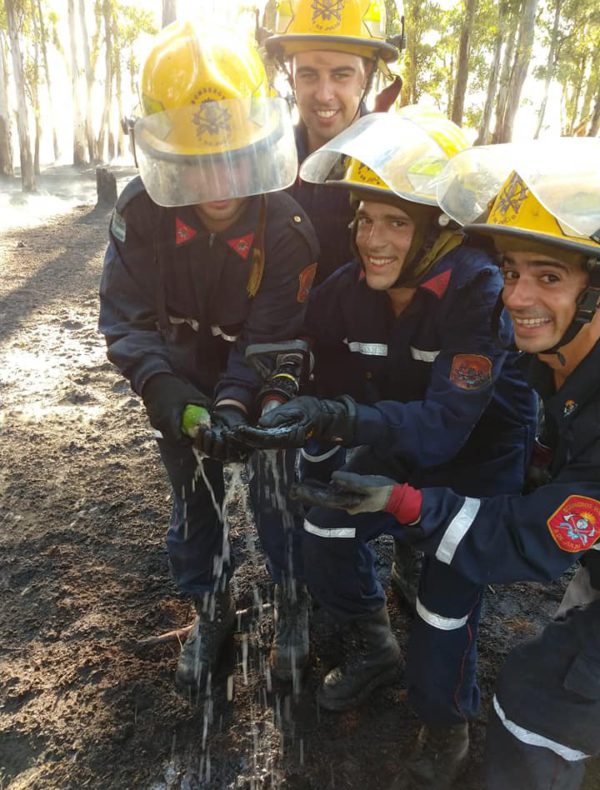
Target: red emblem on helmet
<point x="575" y="526"/>
<point x="305" y="279"/>
<point x="471" y="371"/>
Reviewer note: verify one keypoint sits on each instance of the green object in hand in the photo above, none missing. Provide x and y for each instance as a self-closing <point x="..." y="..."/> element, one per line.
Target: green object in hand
<point x="193" y="417"/>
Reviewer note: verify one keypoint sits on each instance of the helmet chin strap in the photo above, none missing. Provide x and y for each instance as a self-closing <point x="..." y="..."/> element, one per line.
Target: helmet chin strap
<point x="587" y="303"/>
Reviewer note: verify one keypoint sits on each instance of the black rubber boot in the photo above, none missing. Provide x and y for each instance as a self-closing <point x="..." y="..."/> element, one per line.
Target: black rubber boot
<point x="289" y="651"/>
<point x="215" y="617"/>
<point x="406" y="572"/>
<point x="372" y="659"/>
<point x="437" y="759"/>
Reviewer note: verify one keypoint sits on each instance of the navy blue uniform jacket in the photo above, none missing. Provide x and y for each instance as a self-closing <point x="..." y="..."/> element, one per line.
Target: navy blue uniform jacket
<point x="436" y="393"/>
<point x="330" y="212"/>
<point x="208" y="316"/>
<point x="537" y="536"/>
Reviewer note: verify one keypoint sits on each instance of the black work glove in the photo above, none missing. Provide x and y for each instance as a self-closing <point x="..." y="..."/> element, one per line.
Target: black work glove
<point x="218" y="440"/>
<point x="165" y="397"/>
<point x="293" y="423"/>
<point x="319" y="494"/>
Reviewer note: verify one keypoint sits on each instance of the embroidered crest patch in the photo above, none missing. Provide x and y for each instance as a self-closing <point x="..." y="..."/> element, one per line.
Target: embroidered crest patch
<point x="305" y="279"/>
<point x="118" y="226"/>
<point x="242" y="245"/>
<point x="471" y="371"/>
<point x="575" y="525"/>
<point x="569" y="407"/>
<point x="183" y="232"/>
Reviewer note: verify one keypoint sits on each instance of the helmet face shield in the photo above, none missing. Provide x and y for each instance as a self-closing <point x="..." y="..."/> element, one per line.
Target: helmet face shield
<point x="549" y="189"/>
<point x="401" y="154"/>
<point x="216" y="150"/>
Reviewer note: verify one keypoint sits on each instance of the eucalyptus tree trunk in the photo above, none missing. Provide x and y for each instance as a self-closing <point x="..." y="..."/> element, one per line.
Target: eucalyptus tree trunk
<point x="89" y="85"/>
<point x="27" y="172"/>
<point x="104" y="124"/>
<point x="519" y="70"/>
<point x="484" y="129"/>
<point x="169" y="12"/>
<point x="462" y="69"/>
<point x="6" y="161"/>
<point x="44" y="48"/>
<point x="550" y="66"/>
<point x="79" y="157"/>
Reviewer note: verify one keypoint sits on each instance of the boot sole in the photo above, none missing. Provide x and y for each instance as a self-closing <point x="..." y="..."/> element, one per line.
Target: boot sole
<point x="384" y="679"/>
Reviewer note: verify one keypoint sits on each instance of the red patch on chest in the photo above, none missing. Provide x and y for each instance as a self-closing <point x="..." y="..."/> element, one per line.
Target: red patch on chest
<point x="438" y="284"/>
<point x="242" y="245"/>
<point x="575" y="525"/>
<point x="183" y="232"/>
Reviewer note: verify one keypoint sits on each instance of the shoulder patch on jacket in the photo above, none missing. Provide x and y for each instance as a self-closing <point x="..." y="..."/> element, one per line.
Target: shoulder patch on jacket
<point x="134" y="187"/>
<point x="118" y="226"/>
<point x="305" y="280"/>
<point x="575" y="524"/>
<point x="471" y="371"/>
<point x="438" y="284"/>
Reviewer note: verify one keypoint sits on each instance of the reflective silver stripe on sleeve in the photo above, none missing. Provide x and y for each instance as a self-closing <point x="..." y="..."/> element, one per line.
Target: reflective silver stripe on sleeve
<point x="534" y="739"/>
<point x="423" y="356"/>
<point x="369" y="349"/>
<point x="438" y="620"/>
<point x="321" y="457"/>
<point x="457" y="529"/>
<point x="218" y="332"/>
<point x="341" y="532"/>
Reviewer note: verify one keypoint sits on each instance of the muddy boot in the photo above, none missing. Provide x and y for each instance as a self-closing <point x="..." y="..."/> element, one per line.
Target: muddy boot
<point x="437" y="759"/>
<point x="372" y="659"/>
<point x="289" y="651"/>
<point x="215" y="616"/>
<point x="406" y="571"/>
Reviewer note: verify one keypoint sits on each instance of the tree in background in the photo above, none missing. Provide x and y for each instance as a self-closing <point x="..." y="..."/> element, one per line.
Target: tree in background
<point x="14" y="19"/>
<point x="6" y="164"/>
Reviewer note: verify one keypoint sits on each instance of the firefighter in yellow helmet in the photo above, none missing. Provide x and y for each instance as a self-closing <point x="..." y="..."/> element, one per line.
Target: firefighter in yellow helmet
<point x="544" y="221"/>
<point x="202" y="265"/>
<point x="406" y="368"/>
<point x="330" y="52"/>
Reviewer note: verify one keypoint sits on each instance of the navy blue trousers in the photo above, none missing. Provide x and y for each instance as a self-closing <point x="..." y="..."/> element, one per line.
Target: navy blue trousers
<point x="545" y="720"/>
<point x="198" y="547"/>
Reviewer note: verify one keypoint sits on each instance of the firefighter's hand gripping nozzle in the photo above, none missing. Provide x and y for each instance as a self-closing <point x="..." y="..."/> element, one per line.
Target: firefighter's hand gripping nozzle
<point x="283" y="367"/>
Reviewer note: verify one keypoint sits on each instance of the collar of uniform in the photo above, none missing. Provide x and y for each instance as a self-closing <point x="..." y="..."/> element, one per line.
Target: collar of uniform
<point x="188" y="223"/>
<point x="437" y="279"/>
<point x="578" y="389"/>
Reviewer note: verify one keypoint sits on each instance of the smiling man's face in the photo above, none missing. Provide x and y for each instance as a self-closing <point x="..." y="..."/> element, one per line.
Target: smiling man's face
<point x="328" y="87"/>
<point x="540" y="293"/>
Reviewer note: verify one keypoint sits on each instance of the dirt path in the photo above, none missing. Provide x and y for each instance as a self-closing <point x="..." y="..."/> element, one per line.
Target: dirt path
<point x="83" y="508"/>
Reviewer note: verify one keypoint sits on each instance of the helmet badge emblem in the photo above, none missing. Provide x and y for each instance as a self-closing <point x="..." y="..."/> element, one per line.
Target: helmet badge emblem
<point x="327" y="14"/>
<point x="511" y="200"/>
<point x="211" y="120"/>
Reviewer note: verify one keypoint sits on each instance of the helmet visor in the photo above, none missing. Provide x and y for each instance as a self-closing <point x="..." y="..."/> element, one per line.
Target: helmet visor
<point x="562" y="173"/>
<point x="398" y="151"/>
<point x="216" y="151"/>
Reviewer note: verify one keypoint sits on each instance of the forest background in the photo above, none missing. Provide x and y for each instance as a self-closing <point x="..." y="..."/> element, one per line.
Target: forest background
<point x="505" y="70"/>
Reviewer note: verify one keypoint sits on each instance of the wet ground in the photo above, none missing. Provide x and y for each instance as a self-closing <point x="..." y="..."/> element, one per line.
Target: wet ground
<point x="83" y="578"/>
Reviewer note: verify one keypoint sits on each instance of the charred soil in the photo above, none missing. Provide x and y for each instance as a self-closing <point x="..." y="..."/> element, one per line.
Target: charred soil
<point x="84" y="577"/>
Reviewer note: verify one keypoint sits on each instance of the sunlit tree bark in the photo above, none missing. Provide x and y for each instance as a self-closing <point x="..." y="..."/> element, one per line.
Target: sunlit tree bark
<point x="550" y="65"/>
<point x="89" y="85"/>
<point x="79" y="157"/>
<point x="44" y="50"/>
<point x="27" y="172"/>
<point x="104" y="124"/>
<point x="462" y="68"/>
<point x="169" y="12"/>
<point x="6" y="163"/>
<point x="484" y="128"/>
